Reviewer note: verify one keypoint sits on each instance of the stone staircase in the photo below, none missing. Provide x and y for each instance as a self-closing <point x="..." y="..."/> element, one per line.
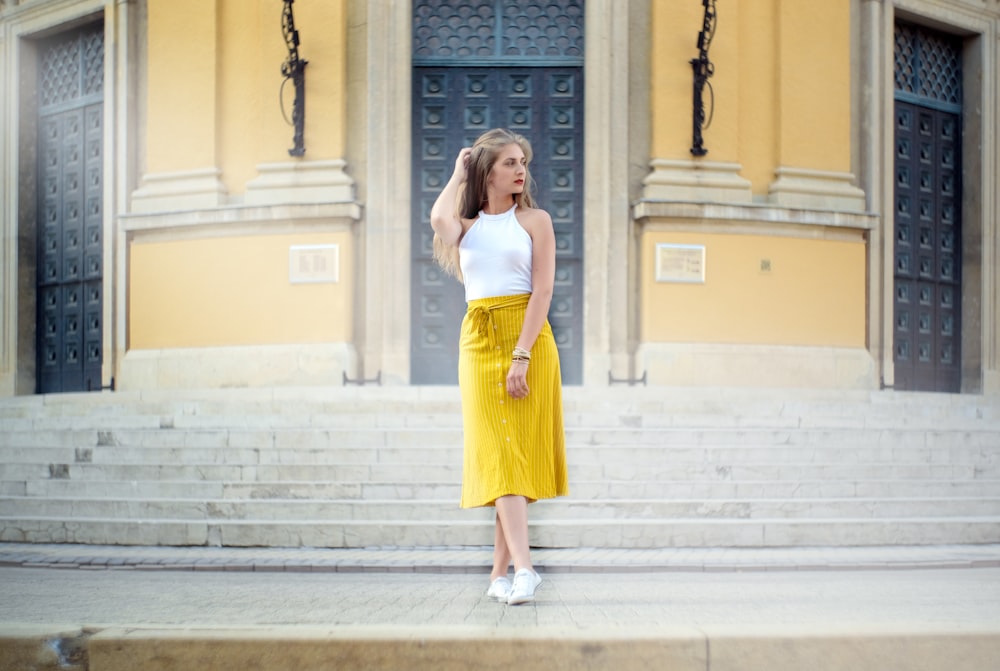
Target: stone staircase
<point x="363" y="467"/>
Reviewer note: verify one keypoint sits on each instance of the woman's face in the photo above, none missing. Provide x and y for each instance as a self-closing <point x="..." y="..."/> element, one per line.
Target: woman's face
<point x="510" y="170"/>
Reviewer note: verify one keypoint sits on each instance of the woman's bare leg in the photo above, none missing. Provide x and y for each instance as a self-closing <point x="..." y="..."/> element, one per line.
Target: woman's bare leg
<point x="512" y="520"/>
<point x="501" y="555"/>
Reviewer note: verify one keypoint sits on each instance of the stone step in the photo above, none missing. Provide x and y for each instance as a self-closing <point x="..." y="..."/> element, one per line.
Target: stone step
<point x="638" y="457"/>
<point x="300" y="418"/>
<point x="331" y="439"/>
<point x="277" y="419"/>
<point x="478" y="532"/>
<point x="418" y="472"/>
<point x="450" y="490"/>
<point x="410" y="406"/>
<point x="374" y="510"/>
<point x="349" y="467"/>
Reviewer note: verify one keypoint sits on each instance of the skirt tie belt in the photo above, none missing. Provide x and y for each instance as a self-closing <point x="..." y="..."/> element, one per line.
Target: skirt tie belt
<point x="482" y="315"/>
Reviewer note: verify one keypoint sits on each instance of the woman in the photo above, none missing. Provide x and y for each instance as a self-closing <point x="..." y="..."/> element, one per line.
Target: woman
<point x="489" y="234"/>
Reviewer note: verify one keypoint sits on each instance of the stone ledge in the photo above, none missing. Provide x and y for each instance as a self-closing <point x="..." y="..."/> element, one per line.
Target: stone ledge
<point x="917" y="647"/>
<point x="825" y="647"/>
<point x="716" y="213"/>
<point x="387" y="647"/>
<point x="231" y="215"/>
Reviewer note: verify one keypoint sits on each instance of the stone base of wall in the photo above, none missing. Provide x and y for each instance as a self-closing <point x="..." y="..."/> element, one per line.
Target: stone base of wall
<point x="695" y="364"/>
<point x="245" y="366"/>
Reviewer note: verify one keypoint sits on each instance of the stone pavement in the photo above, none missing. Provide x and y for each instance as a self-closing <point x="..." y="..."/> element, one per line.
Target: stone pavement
<point x="478" y="560"/>
<point x="109" y="608"/>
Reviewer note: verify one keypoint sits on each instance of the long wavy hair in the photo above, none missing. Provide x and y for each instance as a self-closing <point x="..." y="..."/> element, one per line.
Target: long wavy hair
<point x="473" y="195"/>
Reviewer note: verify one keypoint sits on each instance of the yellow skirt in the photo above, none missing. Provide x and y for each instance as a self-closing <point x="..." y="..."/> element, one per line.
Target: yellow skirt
<point x="512" y="446"/>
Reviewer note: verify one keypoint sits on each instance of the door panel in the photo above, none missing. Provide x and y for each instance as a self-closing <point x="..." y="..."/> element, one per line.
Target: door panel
<point x="928" y="292"/>
<point x="70" y="228"/>
<point x="452" y="107"/>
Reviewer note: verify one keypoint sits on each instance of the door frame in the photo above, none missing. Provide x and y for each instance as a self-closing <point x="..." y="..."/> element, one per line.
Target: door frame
<point x="385" y="284"/>
<point x="20" y="27"/>
<point x="874" y="154"/>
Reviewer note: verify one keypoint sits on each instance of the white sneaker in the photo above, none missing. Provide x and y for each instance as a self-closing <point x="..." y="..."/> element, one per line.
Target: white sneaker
<point x="499" y="589"/>
<point x="523" y="591"/>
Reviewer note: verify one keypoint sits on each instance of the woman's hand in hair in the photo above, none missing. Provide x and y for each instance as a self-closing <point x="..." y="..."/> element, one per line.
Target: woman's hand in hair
<point x="445" y="219"/>
<point x="462" y="165"/>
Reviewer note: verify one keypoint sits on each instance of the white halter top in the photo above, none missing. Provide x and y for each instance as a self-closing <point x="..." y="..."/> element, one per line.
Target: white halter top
<point x="495" y="257"/>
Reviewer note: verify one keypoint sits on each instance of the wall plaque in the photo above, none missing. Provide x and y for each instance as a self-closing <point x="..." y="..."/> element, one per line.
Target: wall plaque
<point x="311" y="264"/>
<point x="680" y="263"/>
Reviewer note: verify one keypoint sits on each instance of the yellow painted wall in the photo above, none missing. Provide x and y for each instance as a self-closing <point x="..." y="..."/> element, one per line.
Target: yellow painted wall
<point x="758" y="141"/>
<point x="181" y="110"/>
<point x="234" y="291"/>
<point x="250" y="55"/>
<point x="814" y="80"/>
<point x="813" y="295"/>
<point x="214" y="81"/>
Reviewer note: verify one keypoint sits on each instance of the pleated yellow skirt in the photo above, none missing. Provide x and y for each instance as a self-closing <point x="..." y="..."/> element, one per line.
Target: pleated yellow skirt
<point x="512" y="446"/>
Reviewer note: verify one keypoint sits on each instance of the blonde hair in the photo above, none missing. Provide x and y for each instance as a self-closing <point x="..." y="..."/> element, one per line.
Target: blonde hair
<point x="473" y="195"/>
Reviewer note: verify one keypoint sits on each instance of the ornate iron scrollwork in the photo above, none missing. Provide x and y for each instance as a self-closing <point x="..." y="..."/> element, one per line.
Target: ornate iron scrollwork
<point x="294" y="69"/>
<point x="703" y="69"/>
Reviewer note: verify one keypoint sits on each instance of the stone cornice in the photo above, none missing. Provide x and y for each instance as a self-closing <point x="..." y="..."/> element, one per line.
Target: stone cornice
<point x="235" y="218"/>
<point x="649" y="213"/>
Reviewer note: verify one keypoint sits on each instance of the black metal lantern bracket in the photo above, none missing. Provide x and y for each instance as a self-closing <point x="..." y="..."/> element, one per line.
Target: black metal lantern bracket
<point x="293" y="69"/>
<point x="703" y="70"/>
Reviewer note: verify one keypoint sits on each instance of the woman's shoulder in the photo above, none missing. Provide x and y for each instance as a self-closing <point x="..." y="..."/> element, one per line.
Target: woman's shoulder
<point x="533" y="216"/>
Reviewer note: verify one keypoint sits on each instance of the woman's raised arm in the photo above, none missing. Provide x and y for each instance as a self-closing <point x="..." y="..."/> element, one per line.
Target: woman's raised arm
<point x="445" y="218"/>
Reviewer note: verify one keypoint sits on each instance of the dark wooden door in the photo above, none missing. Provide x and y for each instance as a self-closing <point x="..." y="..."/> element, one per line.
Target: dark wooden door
<point x="928" y="256"/>
<point x="70" y="211"/>
<point x="928" y="218"/>
<point x="453" y="106"/>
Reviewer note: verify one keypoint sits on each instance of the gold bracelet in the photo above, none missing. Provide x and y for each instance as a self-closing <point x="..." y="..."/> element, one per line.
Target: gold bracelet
<point x="521" y="352"/>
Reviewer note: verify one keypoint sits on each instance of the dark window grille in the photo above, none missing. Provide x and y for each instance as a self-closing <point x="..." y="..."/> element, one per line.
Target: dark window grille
<point x="928" y="66"/>
<point x="485" y="32"/>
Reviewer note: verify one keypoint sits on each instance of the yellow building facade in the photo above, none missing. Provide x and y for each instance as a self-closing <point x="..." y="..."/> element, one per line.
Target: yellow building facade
<point x="835" y="225"/>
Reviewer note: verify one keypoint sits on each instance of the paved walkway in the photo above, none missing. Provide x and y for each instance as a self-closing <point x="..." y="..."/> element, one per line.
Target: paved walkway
<point x="478" y="560"/>
<point x="147" y="586"/>
<point x="864" y="609"/>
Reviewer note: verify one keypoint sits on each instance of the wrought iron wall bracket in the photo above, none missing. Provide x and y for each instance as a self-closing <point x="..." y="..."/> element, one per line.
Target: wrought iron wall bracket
<point x="703" y="70"/>
<point x="294" y="69"/>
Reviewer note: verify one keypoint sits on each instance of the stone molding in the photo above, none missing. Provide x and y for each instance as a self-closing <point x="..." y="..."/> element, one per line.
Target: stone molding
<point x="180" y="190"/>
<point x="300" y="182"/>
<point x="238" y="219"/>
<point x="750" y="219"/>
<point x="688" y="180"/>
<point x="816" y="190"/>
